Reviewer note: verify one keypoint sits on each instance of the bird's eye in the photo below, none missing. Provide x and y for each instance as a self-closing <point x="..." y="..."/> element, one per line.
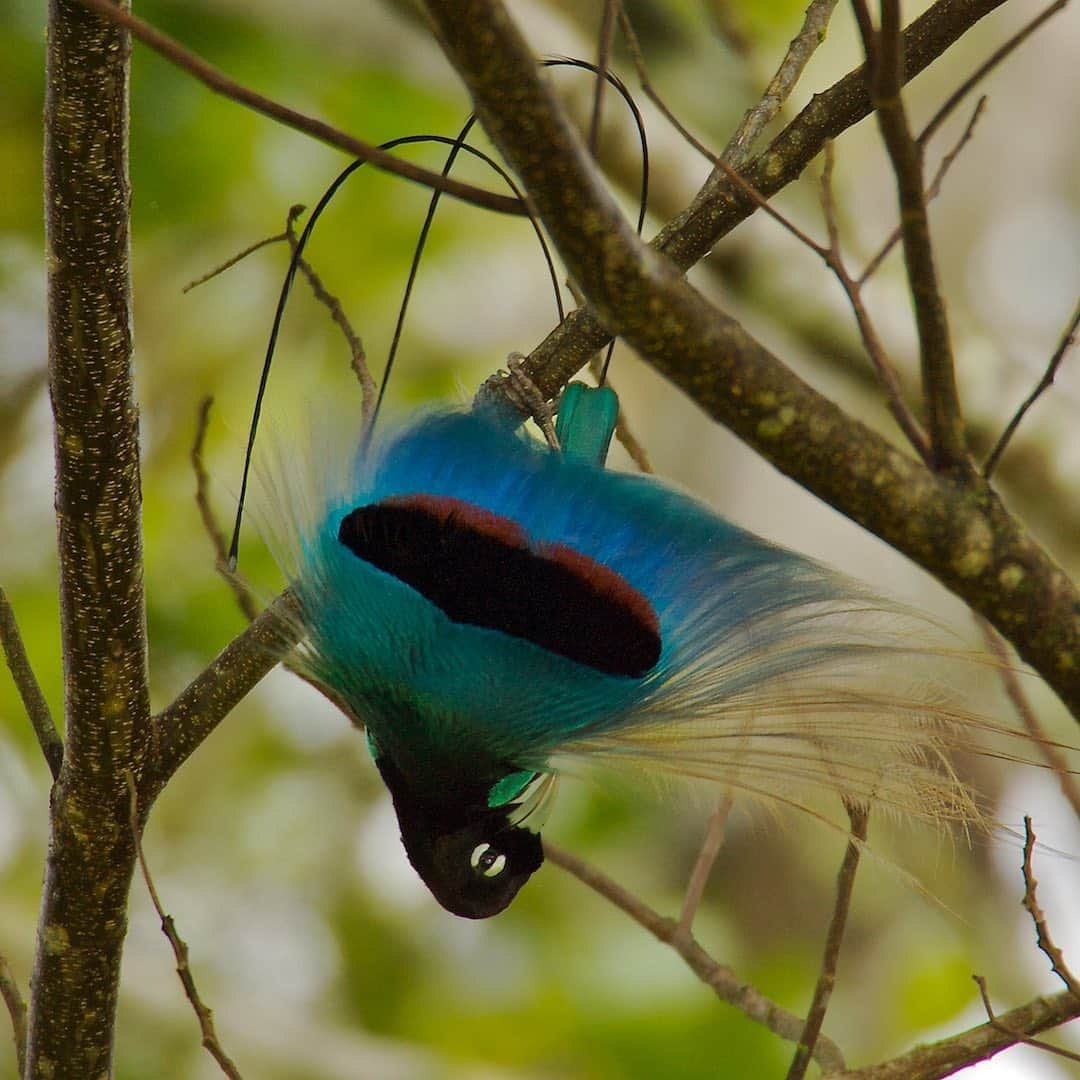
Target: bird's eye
<point x="487" y="861"/>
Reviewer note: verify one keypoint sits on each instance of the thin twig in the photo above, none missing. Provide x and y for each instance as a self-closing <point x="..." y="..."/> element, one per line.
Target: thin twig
<point x="1018" y="1036"/>
<point x="220" y="83"/>
<point x="985" y="68"/>
<point x="203" y="1014"/>
<point x="719" y="977"/>
<point x="603" y="54"/>
<point x="932" y="191"/>
<point x="885" y="60"/>
<point x="1068" y="339"/>
<point x="803" y="46"/>
<point x="757" y="118"/>
<point x="16" y="1007"/>
<point x="949" y="1055"/>
<point x="231" y="262"/>
<point x="240" y="590"/>
<point x="369" y="392"/>
<point x="1042" y="931"/>
<point x="710" y="848"/>
<point x="875" y="348"/>
<point x="832" y="256"/>
<point x="37" y="708"/>
<point x="859" y="816"/>
<point x="637" y="58"/>
<point x="1049" y="749"/>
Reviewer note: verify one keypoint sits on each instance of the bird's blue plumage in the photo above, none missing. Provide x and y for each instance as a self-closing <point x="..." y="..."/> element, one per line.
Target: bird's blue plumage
<point x="379" y="638"/>
<point x="772" y="677"/>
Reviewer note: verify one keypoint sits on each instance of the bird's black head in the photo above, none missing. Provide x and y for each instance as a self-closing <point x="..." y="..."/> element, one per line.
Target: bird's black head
<point x="476" y="870"/>
<point x="468" y="854"/>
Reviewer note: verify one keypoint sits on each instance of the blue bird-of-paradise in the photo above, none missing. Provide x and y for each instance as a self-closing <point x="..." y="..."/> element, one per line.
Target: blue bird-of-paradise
<point x="496" y="612"/>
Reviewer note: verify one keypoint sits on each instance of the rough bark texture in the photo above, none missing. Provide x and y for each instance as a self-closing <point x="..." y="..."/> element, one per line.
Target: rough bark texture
<point x="91" y="853"/>
<point x="720" y="205"/>
<point x="960" y="532"/>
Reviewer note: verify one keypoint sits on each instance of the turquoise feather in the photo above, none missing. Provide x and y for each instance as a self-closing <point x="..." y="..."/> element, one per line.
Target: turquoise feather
<point x="770" y="678"/>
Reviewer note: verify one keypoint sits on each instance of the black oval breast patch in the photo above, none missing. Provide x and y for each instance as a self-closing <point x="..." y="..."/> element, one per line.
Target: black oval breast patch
<point x="479" y="568"/>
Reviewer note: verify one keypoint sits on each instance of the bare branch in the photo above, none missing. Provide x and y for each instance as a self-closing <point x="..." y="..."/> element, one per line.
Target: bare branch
<point x="1047" y="747"/>
<point x="932" y="191"/>
<point x="944" y="416"/>
<point x="1018" y="1036"/>
<point x="22" y="674"/>
<point x="832" y="256"/>
<point x="179" y="947"/>
<point x="985" y="68"/>
<point x="182" y="726"/>
<point x="719" y="206"/>
<point x="976" y="1044"/>
<point x="845" y="885"/>
<point x="719" y="977"/>
<point x="603" y="53"/>
<point x="966" y="538"/>
<point x="803" y="46"/>
<point x="16" y="1007"/>
<point x="1042" y="931"/>
<point x="710" y="848"/>
<point x="369" y="392"/>
<point x="1068" y="339"/>
<point x="220" y="83"/>
<point x="239" y="257"/>
<point x="245" y="601"/>
<point x="875" y="348"/>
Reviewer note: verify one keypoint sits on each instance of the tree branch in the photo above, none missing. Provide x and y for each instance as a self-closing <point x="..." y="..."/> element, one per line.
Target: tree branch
<point x="1068" y="339"/>
<point x="22" y="674"/>
<point x="203" y="1014"/>
<point x="719" y="206"/>
<point x="98" y="509"/>
<point x="845" y="886"/>
<point x="884" y="53"/>
<point x="208" y="699"/>
<point x="962" y="535"/>
<point x="1042" y="931"/>
<point x="976" y="1044"/>
<point x="803" y="46"/>
<point x="16" y="1007"/>
<point x="718" y="977"/>
<point x="220" y="83"/>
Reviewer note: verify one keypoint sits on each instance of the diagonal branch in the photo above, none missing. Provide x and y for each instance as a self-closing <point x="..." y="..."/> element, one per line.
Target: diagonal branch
<point x="37" y="708"/>
<point x="16" y="1007"/>
<point x="976" y="1044"/>
<point x="845" y="885"/>
<point x="181" y="954"/>
<point x="1042" y="931"/>
<point x="884" y="52"/>
<point x="220" y="83"/>
<point x="1019" y="1036"/>
<point x="1068" y="339"/>
<point x="965" y="537"/>
<point x="720" y="206"/>
<point x="718" y="977"/>
<point x="198" y="709"/>
<point x="803" y="46"/>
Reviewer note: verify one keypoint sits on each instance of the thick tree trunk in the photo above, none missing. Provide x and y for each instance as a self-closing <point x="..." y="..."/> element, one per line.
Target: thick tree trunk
<point x="91" y="849"/>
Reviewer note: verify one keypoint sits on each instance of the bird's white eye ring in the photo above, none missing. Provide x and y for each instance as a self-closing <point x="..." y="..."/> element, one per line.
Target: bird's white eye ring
<point x="487" y="861"/>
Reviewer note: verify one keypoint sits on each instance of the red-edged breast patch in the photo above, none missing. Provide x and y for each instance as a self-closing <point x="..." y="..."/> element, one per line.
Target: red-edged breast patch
<point x="479" y="568"/>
